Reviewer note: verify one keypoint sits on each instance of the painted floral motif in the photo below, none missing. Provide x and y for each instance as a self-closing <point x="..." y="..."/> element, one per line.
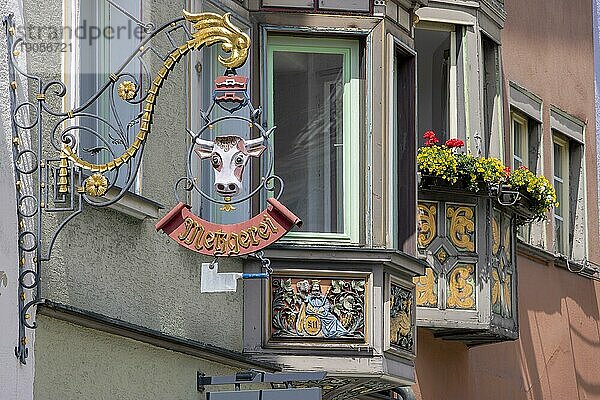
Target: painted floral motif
<point x="462" y="227"/>
<point x="401" y="332"/>
<point x="318" y="308"/>
<point x="501" y="290"/>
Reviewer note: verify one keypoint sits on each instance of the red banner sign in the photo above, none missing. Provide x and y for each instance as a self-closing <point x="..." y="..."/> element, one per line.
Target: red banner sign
<point x="211" y="239"/>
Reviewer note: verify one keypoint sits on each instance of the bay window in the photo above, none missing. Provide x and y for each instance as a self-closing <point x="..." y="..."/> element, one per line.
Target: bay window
<point x="313" y="99"/>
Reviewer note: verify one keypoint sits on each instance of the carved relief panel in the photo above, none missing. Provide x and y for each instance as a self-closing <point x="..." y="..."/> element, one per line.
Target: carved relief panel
<point x="318" y="308"/>
<point x="402" y="317"/>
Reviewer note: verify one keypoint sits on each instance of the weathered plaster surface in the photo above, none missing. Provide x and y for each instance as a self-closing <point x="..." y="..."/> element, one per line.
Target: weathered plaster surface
<point x="81" y="363"/>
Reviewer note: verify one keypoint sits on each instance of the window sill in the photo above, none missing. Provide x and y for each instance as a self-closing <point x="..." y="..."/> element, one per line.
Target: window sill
<point x="535" y="253"/>
<point x="134" y="205"/>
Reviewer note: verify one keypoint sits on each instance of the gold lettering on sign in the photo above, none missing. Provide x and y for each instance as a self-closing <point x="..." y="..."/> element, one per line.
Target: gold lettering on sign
<point x="226" y="243"/>
<point x="462" y="227"/>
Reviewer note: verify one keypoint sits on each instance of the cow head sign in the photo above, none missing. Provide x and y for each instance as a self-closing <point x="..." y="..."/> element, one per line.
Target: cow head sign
<point x="228" y="158"/>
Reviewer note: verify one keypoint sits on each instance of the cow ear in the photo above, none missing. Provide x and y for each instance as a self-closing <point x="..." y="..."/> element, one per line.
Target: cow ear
<point x="256" y="151"/>
<point x="204" y="149"/>
<point x="255" y="147"/>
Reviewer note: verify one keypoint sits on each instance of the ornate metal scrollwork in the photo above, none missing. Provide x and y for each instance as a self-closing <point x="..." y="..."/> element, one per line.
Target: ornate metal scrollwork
<point x="59" y="179"/>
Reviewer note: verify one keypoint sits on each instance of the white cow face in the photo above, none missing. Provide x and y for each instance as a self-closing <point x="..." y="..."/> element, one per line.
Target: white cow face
<point x="228" y="157"/>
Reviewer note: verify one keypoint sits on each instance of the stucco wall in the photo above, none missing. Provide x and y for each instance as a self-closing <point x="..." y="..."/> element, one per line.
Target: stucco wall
<point x="80" y="363"/>
<point x="553" y="58"/>
<point x="107" y="262"/>
<point x="555" y="357"/>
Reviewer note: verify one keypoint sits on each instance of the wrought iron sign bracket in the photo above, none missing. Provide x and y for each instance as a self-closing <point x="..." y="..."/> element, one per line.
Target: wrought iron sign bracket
<point x="56" y="174"/>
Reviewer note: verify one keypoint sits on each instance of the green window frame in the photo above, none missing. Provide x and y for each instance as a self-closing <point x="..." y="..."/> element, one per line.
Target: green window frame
<point x="349" y="49"/>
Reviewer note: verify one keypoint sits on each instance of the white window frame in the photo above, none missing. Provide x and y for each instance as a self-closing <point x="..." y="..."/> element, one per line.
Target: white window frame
<point x="524" y="139"/>
<point x="349" y="47"/>
<point x="564" y="199"/>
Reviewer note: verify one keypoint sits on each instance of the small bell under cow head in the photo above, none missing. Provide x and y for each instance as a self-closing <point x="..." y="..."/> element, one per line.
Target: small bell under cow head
<point x="228" y="157"/>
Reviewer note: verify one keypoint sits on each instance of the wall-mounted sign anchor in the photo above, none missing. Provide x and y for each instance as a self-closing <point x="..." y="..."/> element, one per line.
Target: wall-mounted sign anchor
<point x="212" y="281"/>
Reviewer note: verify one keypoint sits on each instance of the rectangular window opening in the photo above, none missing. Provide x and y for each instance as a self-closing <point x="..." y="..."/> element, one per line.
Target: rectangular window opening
<point x="314" y="102"/>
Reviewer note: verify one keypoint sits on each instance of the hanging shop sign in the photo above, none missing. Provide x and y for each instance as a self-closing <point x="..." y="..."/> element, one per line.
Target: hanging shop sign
<point x="65" y="159"/>
<point x="201" y="236"/>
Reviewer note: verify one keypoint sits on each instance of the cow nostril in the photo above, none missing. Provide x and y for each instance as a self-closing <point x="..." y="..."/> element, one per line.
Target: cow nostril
<point x="232" y="187"/>
<point x="220" y="186"/>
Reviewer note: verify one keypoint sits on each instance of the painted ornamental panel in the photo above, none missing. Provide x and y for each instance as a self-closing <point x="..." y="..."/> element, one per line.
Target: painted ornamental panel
<point x="318" y="308"/>
<point x="469" y="285"/>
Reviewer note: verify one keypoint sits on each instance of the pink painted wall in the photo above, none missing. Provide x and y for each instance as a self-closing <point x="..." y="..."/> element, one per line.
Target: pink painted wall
<point x="547" y="47"/>
<point x="557" y="355"/>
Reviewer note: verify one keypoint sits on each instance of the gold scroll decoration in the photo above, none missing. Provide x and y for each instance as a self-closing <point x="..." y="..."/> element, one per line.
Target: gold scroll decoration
<point x="462" y="227"/>
<point x="426" y="289"/>
<point x="508" y="294"/>
<point x="460" y="288"/>
<point x="495" y="235"/>
<point x="495" y="288"/>
<point x="427" y="227"/>
<point x="210" y="29"/>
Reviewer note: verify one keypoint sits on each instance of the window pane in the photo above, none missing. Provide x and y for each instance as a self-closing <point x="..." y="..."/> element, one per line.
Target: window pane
<point x="100" y="56"/>
<point x="308" y="102"/>
<point x="433" y="50"/>
<point x="558" y="150"/>
<point x="558" y="187"/>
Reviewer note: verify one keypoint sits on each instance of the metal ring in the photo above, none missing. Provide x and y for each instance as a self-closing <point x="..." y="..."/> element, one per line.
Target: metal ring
<point x="34" y="163"/>
<point x="22" y="238"/>
<point x="22" y="206"/>
<point x="36" y="115"/>
<point x="24" y="274"/>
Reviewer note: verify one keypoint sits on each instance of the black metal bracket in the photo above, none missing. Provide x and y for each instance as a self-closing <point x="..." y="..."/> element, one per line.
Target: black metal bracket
<point x="255" y="376"/>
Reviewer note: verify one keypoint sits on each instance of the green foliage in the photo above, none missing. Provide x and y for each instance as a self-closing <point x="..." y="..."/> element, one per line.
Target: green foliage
<point x="538" y="189"/>
<point x="477" y="173"/>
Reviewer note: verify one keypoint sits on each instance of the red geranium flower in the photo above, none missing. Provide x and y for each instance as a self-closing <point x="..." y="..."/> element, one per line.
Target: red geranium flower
<point x="430" y="138"/>
<point x="507" y="171"/>
<point x="454" y="143"/>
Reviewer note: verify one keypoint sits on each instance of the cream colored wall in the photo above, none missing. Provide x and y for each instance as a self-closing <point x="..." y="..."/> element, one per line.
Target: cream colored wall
<point x="76" y="363"/>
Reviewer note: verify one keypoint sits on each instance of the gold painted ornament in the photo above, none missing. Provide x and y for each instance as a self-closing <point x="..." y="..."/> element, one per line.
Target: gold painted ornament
<point x="127" y="90"/>
<point x="96" y="185"/>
